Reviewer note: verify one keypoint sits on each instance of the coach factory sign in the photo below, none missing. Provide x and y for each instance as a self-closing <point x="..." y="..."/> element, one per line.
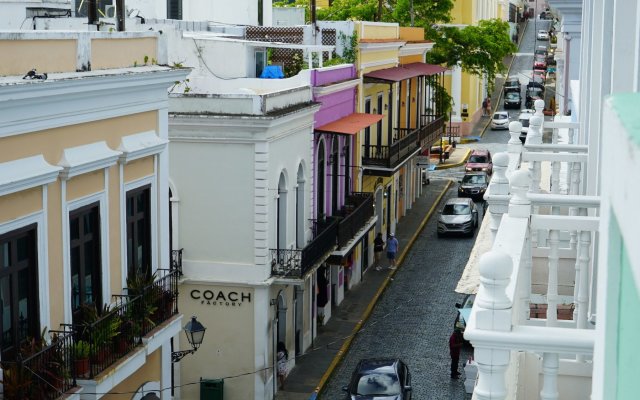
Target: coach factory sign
<point x="221" y="298"/>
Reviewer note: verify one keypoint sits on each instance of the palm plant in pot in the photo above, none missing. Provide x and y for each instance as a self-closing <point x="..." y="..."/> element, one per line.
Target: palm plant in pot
<point x="140" y="286"/>
<point x="81" y="351"/>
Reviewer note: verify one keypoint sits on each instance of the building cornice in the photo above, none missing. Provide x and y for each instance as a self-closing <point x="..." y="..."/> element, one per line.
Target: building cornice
<point x="140" y="145"/>
<point x="26" y="173"/>
<point x="383" y="46"/>
<point x="51" y="104"/>
<point x="412" y="49"/>
<point x="87" y="158"/>
<point x="336" y="87"/>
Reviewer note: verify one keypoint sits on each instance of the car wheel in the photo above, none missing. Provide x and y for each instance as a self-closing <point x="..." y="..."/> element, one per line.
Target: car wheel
<point x="439" y="234"/>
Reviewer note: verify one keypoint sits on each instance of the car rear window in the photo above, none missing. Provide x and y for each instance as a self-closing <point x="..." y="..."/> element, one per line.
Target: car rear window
<point x="456" y="209"/>
<point x="474" y="179"/>
<point x="378" y="384"/>
<point x="478" y="159"/>
<point x="512" y="96"/>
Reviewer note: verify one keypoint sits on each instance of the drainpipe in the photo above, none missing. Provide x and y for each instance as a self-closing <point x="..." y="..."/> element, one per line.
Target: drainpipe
<point x="120" y="15"/>
<point x="92" y="12"/>
<point x="567" y="62"/>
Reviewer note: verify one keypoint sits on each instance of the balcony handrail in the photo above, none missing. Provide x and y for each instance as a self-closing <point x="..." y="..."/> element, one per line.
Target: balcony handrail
<point x="322" y="244"/>
<point x="176" y="260"/>
<point x="350" y="224"/>
<point x="567" y="148"/>
<point x="565" y="200"/>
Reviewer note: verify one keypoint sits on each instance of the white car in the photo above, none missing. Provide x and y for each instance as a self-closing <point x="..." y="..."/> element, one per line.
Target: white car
<point x="524" y="117"/>
<point x="500" y="120"/>
<point x="543" y="35"/>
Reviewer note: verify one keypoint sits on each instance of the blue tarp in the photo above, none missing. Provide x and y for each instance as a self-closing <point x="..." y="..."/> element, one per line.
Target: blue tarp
<point x="272" y="72"/>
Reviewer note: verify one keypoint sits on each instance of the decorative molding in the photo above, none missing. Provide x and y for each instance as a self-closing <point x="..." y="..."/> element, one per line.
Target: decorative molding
<point x="140" y="145"/>
<point x="336" y="87"/>
<point x="87" y="158"/>
<point x="411" y="49"/>
<point x="84" y="97"/>
<point x="380" y="46"/>
<point x="389" y="62"/>
<point x="26" y="173"/>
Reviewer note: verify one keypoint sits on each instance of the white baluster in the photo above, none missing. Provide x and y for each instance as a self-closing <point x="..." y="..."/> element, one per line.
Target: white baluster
<point x="539" y="107"/>
<point x="583" y="260"/>
<point x="514" y="146"/>
<point x="550" y="366"/>
<point x="534" y="136"/>
<point x="519" y="204"/>
<point x="574" y="188"/>
<point x="498" y="190"/>
<point x="525" y="277"/>
<point x="552" y="280"/>
<point x="555" y="177"/>
<point x="492" y="312"/>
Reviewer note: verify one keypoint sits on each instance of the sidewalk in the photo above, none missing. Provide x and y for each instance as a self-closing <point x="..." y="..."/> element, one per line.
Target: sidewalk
<point x="315" y="367"/>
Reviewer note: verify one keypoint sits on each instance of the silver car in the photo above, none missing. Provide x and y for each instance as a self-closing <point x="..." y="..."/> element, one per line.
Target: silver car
<point x="459" y="215"/>
<point x="500" y="120"/>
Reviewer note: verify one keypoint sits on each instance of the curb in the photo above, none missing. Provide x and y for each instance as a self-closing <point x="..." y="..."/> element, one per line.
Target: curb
<point x="458" y="164"/>
<point x="367" y="312"/>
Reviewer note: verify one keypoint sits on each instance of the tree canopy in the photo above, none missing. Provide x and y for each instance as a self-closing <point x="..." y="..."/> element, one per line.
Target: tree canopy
<point x="479" y="49"/>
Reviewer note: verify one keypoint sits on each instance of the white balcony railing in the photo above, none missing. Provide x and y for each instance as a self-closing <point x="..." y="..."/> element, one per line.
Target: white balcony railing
<point x="541" y="256"/>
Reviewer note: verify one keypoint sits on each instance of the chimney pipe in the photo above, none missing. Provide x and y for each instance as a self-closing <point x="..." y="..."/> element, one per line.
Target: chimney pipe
<point x="92" y="12"/>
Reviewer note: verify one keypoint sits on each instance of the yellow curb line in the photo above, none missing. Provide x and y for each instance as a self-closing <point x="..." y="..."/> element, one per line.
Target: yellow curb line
<point x="367" y="312"/>
<point x="447" y="166"/>
<point x="508" y="72"/>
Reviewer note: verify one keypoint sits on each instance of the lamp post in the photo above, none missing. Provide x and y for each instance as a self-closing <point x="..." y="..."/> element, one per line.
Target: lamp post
<point x="195" y="333"/>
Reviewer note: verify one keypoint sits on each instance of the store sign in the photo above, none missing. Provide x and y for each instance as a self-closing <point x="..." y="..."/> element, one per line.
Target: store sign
<point x="220" y="298"/>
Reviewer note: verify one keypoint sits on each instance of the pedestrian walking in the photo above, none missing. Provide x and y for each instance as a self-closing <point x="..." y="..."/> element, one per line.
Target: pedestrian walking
<point x="378" y="247"/>
<point x="455" y="345"/>
<point x="488" y="106"/>
<point x="484" y="107"/>
<point x="282" y="356"/>
<point x="392" y="249"/>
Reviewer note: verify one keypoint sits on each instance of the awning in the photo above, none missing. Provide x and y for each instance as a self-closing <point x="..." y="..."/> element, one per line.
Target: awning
<point x="425" y="69"/>
<point x="404" y="72"/>
<point x="351" y="124"/>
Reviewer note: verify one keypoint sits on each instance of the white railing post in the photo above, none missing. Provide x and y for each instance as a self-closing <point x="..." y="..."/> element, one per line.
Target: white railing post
<point x="498" y="191"/>
<point x="514" y="146"/>
<point x="582" y="261"/>
<point x="552" y="279"/>
<point x="538" y="105"/>
<point x="520" y="207"/>
<point x="550" y="366"/>
<point x="493" y="312"/>
<point x="535" y="137"/>
<point x="574" y="188"/>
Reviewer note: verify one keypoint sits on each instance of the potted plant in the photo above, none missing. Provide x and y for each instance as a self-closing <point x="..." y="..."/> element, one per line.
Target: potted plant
<point x="81" y="351"/>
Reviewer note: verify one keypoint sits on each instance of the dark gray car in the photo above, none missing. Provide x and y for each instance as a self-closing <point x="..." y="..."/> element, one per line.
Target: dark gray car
<point x="380" y="379"/>
<point x="473" y="185"/>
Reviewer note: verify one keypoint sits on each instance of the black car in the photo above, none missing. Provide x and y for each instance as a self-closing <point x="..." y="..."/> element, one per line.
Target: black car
<point x="473" y="185"/>
<point x="533" y="93"/>
<point x="380" y="378"/>
<point x="511" y="85"/>
<point x="512" y="100"/>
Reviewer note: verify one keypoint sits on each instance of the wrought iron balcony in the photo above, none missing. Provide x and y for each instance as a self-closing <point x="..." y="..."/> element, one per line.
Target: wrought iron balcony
<point x="176" y="260"/>
<point x="295" y="263"/>
<point x="45" y="372"/>
<point x="407" y="142"/>
<point x="112" y="332"/>
<point x="357" y="210"/>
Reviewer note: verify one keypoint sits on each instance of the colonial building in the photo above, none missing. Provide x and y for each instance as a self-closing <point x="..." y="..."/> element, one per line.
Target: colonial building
<point x="84" y="216"/>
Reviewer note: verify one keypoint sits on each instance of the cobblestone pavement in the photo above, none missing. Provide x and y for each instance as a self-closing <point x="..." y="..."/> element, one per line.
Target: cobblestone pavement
<point x="414" y="318"/>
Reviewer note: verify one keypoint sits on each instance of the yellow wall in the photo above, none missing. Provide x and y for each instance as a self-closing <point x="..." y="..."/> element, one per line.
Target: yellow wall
<point x="19" y="204"/>
<point x="150" y="372"/>
<point x="371" y="56"/>
<point x="138" y="169"/>
<point x="411" y="33"/>
<point x="377" y="31"/>
<point x="84" y="185"/>
<point x="48" y="56"/>
<point x="462" y="12"/>
<point x="118" y="53"/>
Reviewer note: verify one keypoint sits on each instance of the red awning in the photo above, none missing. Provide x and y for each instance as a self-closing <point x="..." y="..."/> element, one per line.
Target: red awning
<point x="425" y="69"/>
<point x="404" y="72"/>
<point x="351" y="124"/>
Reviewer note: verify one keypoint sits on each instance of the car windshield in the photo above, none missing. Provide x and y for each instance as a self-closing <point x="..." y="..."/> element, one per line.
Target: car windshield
<point x="478" y="159"/>
<point x="378" y="384"/>
<point x="512" y="82"/>
<point x="500" y="116"/>
<point x="512" y="96"/>
<point x="474" y="179"/>
<point x="456" y="209"/>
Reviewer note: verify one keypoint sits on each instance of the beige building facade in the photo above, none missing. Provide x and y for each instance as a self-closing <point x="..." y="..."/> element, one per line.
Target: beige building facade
<point x="83" y="207"/>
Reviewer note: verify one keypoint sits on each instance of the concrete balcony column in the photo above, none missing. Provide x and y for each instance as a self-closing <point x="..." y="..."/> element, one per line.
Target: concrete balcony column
<point x="456" y="94"/>
<point x="498" y="194"/>
<point x="550" y="366"/>
<point x="519" y="205"/>
<point x="552" y="279"/>
<point x="534" y="136"/>
<point x="514" y="146"/>
<point x="493" y="313"/>
<point x="574" y="189"/>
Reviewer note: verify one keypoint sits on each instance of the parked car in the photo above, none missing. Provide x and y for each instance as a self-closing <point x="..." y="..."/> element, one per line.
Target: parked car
<point x="540" y="62"/>
<point x="479" y="160"/>
<point x="543" y="35"/>
<point x="511" y="85"/>
<point x="500" y="120"/>
<point x="533" y="93"/>
<point x="474" y="185"/>
<point x="384" y="378"/>
<point x="459" y="215"/>
<point x="464" y="311"/>
<point x="512" y="100"/>
<point x="539" y="76"/>
<point x="524" y="117"/>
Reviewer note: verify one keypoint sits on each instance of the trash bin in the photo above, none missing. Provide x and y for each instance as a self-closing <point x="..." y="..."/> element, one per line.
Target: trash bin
<point x="211" y="389"/>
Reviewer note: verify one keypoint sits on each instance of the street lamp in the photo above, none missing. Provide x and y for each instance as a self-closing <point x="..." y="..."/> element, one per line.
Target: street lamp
<point x="195" y="333"/>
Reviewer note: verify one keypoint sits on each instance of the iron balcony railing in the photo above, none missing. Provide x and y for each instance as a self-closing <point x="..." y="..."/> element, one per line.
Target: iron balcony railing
<point x="407" y="141"/>
<point x="176" y="260"/>
<point x="111" y="333"/>
<point x="295" y="263"/>
<point x="45" y="372"/>
<point x="357" y="210"/>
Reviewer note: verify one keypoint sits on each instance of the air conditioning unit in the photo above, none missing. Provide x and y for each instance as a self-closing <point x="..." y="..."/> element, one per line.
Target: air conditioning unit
<point x="110" y="11"/>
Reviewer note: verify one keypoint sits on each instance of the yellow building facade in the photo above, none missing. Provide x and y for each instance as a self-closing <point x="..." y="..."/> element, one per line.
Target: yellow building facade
<point x="83" y="207"/>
